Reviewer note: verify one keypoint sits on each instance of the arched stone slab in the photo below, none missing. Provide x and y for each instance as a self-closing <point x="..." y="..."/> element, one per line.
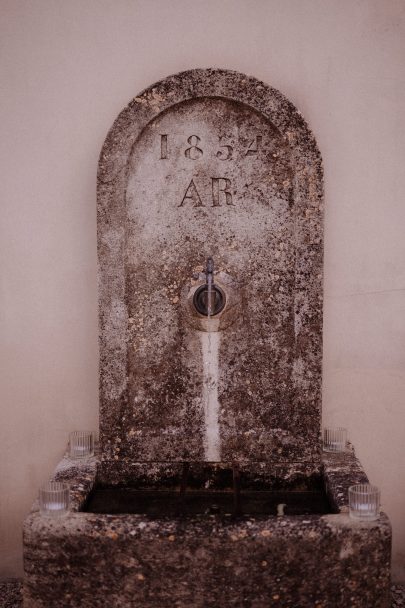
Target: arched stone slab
<point x="210" y="163"/>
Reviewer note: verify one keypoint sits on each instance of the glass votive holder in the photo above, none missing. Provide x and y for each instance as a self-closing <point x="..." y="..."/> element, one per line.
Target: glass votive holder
<point x="81" y="444"/>
<point x="334" y="439"/>
<point x="54" y="499"/>
<point x="364" y="502"/>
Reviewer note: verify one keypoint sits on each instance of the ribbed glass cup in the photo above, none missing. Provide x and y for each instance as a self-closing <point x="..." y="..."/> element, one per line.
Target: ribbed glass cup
<point x="81" y="444"/>
<point x="364" y="502"/>
<point x="334" y="439"/>
<point x="54" y="499"/>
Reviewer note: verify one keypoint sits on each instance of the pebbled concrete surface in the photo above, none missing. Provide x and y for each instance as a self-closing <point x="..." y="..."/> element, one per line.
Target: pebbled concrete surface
<point x="10" y="594"/>
<point x="139" y="551"/>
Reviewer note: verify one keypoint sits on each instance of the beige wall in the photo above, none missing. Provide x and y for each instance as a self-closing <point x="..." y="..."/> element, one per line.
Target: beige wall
<point x="67" y="69"/>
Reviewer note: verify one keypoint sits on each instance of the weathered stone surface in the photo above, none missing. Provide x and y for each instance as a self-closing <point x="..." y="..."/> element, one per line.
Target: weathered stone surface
<point x="11" y="593"/>
<point x="328" y="561"/>
<point x="210" y="163"/>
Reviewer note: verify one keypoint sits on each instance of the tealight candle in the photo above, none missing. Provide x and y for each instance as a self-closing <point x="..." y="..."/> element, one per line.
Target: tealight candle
<point x="81" y="444"/>
<point x="334" y="439"/>
<point x="54" y="498"/>
<point x="364" y="502"/>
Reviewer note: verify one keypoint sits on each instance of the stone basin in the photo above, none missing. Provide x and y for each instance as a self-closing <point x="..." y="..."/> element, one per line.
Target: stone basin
<point x="206" y="559"/>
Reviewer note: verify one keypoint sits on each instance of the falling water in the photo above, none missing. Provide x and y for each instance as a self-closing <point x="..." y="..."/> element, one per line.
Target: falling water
<point x="210" y="347"/>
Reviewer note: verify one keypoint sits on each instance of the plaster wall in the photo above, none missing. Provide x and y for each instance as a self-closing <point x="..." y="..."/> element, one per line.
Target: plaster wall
<point x="66" y="71"/>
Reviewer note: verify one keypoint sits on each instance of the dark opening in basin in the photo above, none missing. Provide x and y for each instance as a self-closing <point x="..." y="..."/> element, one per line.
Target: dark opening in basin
<point x="225" y="493"/>
<point x="169" y="504"/>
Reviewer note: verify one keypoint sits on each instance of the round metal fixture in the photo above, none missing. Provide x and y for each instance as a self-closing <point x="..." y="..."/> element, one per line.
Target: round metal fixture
<point x="200" y="300"/>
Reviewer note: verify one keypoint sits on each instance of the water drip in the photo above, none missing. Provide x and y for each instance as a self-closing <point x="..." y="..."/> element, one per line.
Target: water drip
<point x="210" y="347"/>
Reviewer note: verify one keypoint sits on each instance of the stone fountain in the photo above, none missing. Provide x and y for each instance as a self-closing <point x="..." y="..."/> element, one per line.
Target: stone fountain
<point x="210" y="488"/>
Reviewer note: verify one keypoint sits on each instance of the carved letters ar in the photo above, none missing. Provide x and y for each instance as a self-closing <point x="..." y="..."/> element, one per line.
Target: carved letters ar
<point x="220" y="189"/>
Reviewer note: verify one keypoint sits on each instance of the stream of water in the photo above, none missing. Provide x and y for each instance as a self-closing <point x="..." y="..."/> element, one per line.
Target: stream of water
<point x="210" y="347"/>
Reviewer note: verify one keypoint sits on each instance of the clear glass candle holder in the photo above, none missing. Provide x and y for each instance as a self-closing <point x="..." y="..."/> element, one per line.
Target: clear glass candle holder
<point x="334" y="439"/>
<point x="364" y="502"/>
<point x="81" y="444"/>
<point x="54" y="499"/>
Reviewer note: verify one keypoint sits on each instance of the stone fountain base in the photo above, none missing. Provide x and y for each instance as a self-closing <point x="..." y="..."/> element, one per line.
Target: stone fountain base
<point x="88" y="559"/>
<point x="11" y="592"/>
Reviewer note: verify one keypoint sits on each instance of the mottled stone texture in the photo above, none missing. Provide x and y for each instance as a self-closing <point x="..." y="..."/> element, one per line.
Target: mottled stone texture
<point x="209" y="162"/>
<point x="87" y="560"/>
<point x="11" y="593"/>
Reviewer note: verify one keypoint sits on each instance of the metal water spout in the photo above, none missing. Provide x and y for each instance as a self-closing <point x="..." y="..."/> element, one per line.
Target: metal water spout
<point x="209" y="298"/>
<point x="209" y="274"/>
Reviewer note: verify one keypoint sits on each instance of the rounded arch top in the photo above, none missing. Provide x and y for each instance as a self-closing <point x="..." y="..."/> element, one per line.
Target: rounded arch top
<point x="192" y="84"/>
